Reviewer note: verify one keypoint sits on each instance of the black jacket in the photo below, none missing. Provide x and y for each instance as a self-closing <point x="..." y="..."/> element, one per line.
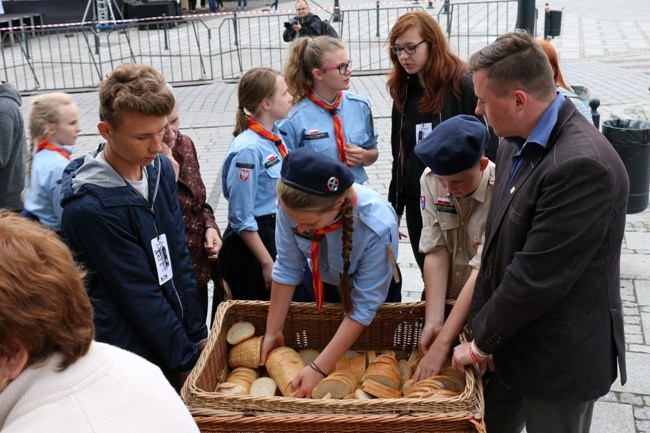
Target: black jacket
<point x="312" y="25"/>
<point x="405" y="177"/>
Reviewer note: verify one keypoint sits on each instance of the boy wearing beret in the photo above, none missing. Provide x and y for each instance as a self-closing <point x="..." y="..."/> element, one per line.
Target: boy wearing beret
<point x="456" y="188"/>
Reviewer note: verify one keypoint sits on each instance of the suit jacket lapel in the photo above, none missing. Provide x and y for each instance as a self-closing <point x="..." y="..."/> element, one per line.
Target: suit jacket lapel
<point x="501" y="199"/>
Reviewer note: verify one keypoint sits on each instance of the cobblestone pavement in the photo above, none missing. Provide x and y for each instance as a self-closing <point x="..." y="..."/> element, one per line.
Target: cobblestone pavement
<point x="603" y="46"/>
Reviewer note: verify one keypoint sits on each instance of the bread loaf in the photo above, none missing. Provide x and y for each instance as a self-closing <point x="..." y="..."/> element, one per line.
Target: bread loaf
<point x="283" y="364"/>
<point x="239" y="332"/>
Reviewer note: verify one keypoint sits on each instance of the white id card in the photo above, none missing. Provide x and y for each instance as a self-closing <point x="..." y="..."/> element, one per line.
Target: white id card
<point x="163" y="261"/>
<point x="421" y="131"/>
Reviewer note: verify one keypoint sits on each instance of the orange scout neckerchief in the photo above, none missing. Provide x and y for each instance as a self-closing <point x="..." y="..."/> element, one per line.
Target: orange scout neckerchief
<point x="338" y="126"/>
<point x="45" y="144"/>
<point x="317" y="236"/>
<point x="255" y="126"/>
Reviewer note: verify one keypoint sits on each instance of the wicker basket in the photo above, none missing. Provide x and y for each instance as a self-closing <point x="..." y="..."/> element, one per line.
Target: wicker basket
<point x="396" y="327"/>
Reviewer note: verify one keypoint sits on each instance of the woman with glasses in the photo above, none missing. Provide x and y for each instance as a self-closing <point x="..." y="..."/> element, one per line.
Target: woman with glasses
<point x="428" y="84"/>
<point x="349" y="234"/>
<point x="325" y="116"/>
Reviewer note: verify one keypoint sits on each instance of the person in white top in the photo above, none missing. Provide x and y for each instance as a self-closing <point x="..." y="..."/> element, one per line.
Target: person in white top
<point x="53" y="377"/>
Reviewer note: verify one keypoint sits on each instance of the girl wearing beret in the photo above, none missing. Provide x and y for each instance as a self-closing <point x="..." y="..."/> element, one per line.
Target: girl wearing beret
<point x="326" y="117"/>
<point x="248" y="177"/>
<point x="349" y="233"/>
<point x="428" y="84"/>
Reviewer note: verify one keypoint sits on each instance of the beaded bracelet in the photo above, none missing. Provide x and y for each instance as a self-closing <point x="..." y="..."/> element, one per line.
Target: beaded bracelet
<point x="314" y="367"/>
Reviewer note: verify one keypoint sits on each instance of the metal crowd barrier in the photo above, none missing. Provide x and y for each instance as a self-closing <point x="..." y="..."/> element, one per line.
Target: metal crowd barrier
<point x="216" y="46"/>
<point x="79" y="56"/>
<point x="472" y="25"/>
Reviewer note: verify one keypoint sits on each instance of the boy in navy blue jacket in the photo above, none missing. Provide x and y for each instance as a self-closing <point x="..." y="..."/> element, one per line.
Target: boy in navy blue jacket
<point x="121" y="217"/>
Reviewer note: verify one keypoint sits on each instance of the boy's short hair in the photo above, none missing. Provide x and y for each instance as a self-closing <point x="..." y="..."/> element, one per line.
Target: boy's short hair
<point x="134" y="88"/>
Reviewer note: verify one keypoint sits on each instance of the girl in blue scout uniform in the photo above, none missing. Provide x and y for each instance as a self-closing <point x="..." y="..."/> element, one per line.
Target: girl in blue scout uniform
<point x="349" y="234"/>
<point x="248" y="177"/>
<point x="326" y="117"/>
<point x="54" y="127"/>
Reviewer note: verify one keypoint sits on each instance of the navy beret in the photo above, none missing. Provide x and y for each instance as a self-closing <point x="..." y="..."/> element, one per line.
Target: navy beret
<point x="312" y="172"/>
<point x="454" y="145"/>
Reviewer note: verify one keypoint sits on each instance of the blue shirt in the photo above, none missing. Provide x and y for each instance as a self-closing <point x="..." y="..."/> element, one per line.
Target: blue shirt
<point x="249" y="175"/>
<point x="312" y="126"/>
<point x="375" y="227"/>
<point x="43" y="196"/>
<point x="539" y="135"/>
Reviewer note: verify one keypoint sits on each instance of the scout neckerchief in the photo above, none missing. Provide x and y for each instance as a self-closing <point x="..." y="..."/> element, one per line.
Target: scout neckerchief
<point x="45" y="144"/>
<point x="338" y="126"/>
<point x="256" y="127"/>
<point x="317" y="236"/>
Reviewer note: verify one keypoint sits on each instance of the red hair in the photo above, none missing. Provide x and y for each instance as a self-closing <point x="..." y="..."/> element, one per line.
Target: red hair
<point x="555" y="63"/>
<point x="442" y="70"/>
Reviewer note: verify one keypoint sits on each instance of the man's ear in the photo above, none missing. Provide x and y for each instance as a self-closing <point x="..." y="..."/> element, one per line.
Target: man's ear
<point x="521" y="99"/>
<point x="105" y="130"/>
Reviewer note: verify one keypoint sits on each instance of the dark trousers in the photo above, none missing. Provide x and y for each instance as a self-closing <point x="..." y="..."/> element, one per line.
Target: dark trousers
<point x="507" y="411"/>
<point x="414" y="226"/>
<point x="240" y="268"/>
<point x="305" y="292"/>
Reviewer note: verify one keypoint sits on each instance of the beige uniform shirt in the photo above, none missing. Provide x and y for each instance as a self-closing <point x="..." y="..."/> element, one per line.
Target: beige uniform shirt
<point x="457" y="224"/>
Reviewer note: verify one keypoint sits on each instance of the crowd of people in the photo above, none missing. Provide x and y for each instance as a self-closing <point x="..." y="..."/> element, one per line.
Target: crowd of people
<point x="515" y="211"/>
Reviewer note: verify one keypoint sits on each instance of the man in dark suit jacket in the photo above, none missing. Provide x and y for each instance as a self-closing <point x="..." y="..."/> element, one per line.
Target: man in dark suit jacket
<point x="547" y="305"/>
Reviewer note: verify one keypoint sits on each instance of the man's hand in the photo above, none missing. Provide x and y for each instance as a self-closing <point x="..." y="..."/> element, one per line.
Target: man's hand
<point x="296" y="27"/>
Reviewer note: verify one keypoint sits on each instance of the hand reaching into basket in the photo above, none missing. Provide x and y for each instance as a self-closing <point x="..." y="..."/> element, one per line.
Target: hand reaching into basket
<point x="433" y="361"/>
<point x="305" y="382"/>
<point x="270" y="342"/>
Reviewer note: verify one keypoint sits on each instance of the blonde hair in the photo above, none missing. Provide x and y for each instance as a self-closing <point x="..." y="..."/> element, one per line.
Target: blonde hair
<point x="296" y="199"/>
<point x="45" y="112"/>
<point x="305" y="55"/>
<point x="45" y="307"/>
<point x="254" y="87"/>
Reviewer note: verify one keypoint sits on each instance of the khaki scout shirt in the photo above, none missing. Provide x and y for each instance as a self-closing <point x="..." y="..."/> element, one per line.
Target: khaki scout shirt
<point x="457" y="224"/>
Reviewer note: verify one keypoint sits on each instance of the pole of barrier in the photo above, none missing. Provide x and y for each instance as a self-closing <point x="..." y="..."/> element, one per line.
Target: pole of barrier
<point x="165" y="31"/>
<point x="445" y="7"/>
<point x="430" y="5"/>
<point x="336" y="17"/>
<point x="377" y="35"/>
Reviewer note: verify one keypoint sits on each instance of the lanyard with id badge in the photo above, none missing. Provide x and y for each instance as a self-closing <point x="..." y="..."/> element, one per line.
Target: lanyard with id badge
<point x="159" y="245"/>
<point x="422" y="130"/>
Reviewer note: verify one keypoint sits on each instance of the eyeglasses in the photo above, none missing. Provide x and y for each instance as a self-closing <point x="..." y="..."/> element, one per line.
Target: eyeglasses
<point x="343" y="68"/>
<point x="409" y="49"/>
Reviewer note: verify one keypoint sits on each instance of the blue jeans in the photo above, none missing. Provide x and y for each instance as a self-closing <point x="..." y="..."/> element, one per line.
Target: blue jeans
<point x="213" y="5"/>
<point x="239" y="3"/>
